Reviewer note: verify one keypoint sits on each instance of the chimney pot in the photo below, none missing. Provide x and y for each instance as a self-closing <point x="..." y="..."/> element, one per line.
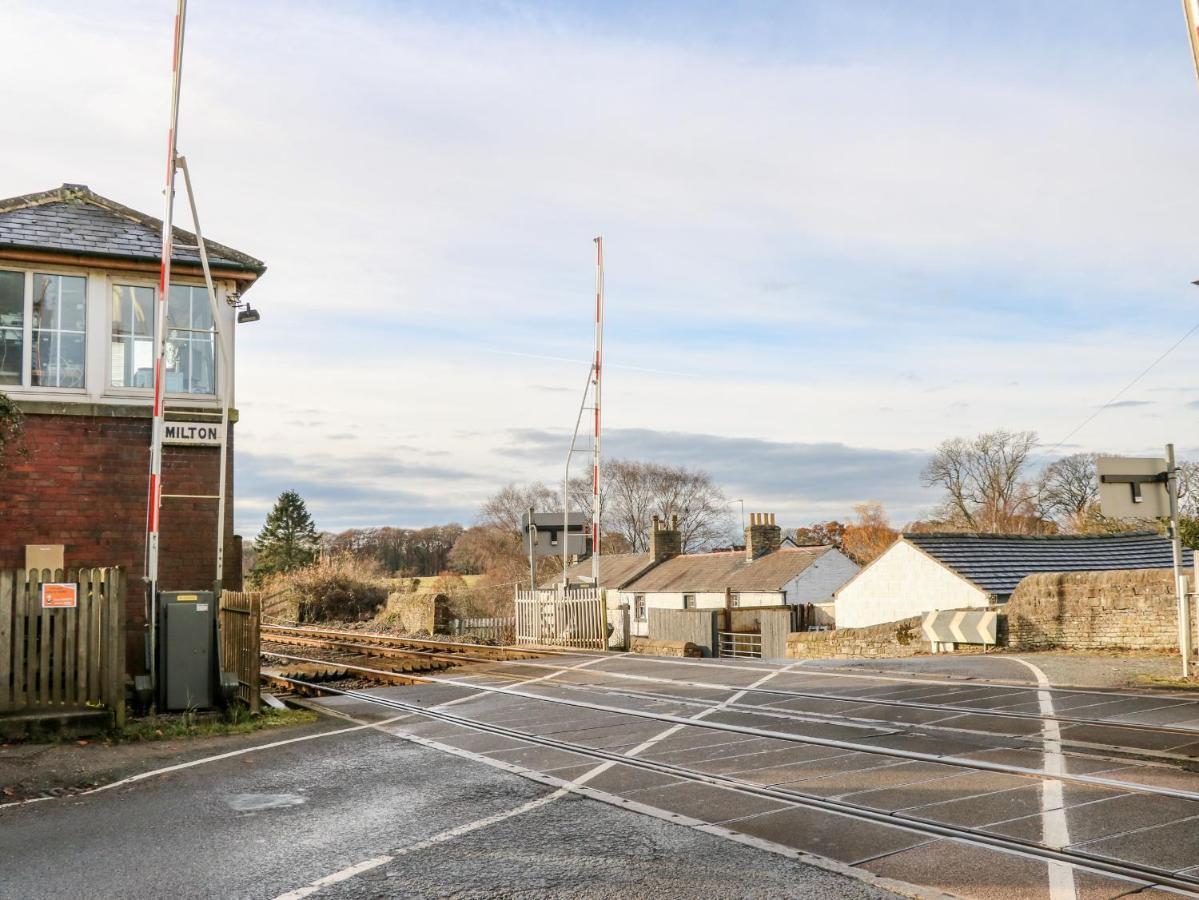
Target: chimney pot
<point x="762" y="536"/>
<point x="665" y="542"/>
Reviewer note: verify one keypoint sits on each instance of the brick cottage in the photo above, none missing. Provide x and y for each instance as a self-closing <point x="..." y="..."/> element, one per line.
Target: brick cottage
<point x="77" y="287"/>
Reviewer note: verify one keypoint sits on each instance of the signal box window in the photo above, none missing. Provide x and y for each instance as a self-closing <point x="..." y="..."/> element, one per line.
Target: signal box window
<point x="189" y="355"/>
<point x="12" y="327"/>
<point x="59" y="318"/>
<point x="132" y="348"/>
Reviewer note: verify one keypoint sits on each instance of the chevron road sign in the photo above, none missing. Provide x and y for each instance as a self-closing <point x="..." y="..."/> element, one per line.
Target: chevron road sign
<point x="962" y="626"/>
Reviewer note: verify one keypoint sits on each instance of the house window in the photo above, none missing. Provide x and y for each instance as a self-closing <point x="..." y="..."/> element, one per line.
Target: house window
<point x="132" y="348"/>
<point x="59" y="319"/>
<point x="188" y="358"/>
<point x="12" y="326"/>
<point x="639" y="607"/>
<point x="688" y="601"/>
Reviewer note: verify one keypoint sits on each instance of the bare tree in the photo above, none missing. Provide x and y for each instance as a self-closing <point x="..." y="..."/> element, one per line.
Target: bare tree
<point x="505" y="507"/>
<point x="1188" y="489"/>
<point x="1067" y="491"/>
<point x="984" y="482"/>
<point x="633" y="492"/>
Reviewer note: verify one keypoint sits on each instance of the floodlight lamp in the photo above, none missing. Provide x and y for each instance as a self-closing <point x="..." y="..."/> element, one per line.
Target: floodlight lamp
<point x="249" y="314"/>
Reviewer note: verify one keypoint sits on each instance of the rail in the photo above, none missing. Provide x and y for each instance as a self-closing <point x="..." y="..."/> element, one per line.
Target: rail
<point x="1150" y="875"/>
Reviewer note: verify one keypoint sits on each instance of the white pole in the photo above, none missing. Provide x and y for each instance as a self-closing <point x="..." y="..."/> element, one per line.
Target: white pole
<point x="224" y="367"/>
<point x="154" y="493"/>
<point x="598" y="371"/>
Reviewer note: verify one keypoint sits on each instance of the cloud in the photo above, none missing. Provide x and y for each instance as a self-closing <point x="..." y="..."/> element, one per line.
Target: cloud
<point x="801" y="481"/>
<point x="351" y="492"/>
<point x="1127" y="404"/>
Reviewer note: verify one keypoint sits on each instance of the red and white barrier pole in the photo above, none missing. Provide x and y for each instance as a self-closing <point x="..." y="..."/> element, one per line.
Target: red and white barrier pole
<point x="154" y="494"/>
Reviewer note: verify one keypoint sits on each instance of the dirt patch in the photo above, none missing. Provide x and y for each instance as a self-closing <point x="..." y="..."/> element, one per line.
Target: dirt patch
<point x="61" y="769"/>
<point x="1105" y="669"/>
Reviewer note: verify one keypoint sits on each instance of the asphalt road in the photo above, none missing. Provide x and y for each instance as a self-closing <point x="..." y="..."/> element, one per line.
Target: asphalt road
<point x="701" y="793"/>
<point x="265" y="823"/>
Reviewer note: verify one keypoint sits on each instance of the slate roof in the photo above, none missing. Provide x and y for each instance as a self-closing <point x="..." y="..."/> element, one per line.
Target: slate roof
<point x="75" y="219"/>
<point x="998" y="562"/>
<point x="692" y="572"/>
<point x="615" y="569"/>
<point x="773" y="571"/>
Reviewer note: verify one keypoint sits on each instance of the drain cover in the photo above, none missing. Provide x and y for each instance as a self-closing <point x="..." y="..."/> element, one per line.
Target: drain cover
<point x="254" y="802"/>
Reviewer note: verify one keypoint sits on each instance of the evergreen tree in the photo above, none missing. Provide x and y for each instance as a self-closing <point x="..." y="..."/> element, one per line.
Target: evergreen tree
<point x="288" y="539"/>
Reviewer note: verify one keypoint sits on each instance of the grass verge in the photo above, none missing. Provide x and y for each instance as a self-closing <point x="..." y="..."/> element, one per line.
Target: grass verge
<point x="199" y="725"/>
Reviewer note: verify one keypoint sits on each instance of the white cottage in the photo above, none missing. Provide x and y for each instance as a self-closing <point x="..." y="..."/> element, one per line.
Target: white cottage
<point x="763" y="574"/>
<point x="924" y="572"/>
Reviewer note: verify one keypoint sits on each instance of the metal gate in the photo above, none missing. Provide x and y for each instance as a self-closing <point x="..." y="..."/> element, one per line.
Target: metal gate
<point x="552" y="619"/>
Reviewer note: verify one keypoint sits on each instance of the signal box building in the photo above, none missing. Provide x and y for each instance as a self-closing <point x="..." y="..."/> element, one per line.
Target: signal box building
<point x="77" y="305"/>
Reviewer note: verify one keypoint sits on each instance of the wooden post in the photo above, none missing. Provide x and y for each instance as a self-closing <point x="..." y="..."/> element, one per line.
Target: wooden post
<point x="31" y="648"/>
<point x="20" y="592"/>
<point x="8" y="581"/>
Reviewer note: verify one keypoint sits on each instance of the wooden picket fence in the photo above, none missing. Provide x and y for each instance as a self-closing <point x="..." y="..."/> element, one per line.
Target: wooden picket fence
<point x="240" y="617"/>
<point x="551" y="618"/>
<point x="60" y="658"/>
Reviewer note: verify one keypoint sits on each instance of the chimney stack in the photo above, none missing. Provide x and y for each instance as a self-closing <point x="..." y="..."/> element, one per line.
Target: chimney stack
<point x="762" y="536"/>
<point x="665" y="542"/>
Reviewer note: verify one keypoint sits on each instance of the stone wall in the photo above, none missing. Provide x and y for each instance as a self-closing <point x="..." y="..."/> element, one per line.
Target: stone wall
<point x="902" y="638"/>
<point x="1131" y="609"/>
<point x="412" y="612"/>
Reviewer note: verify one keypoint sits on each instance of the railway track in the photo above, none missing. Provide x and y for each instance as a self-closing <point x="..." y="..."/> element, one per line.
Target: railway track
<point x="1128" y="737"/>
<point x="1139" y="874"/>
<point x="391" y="646"/>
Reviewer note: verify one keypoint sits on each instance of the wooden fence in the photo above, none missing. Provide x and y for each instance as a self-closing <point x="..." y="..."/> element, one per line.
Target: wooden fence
<point x="501" y="629"/>
<point x="62" y="657"/>
<point x="240" y="616"/>
<point x="577" y="619"/>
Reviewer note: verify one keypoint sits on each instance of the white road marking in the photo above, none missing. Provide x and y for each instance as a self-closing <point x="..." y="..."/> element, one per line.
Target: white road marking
<point x="142" y="776"/>
<point x="440" y="838"/>
<point x="1055" y="827"/>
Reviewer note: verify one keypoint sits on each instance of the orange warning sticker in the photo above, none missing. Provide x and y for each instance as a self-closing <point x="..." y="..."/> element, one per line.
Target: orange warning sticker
<point x="59" y="596"/>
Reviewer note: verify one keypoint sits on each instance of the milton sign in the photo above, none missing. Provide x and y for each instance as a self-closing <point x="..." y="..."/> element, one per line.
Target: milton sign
<point x="195" y="434"/>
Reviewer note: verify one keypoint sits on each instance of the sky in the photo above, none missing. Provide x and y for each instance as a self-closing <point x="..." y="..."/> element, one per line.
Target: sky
<point x="835" y="234"/>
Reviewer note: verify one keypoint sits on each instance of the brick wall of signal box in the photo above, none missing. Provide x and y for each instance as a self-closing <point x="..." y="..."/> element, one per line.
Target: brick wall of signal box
<point x="81" y="481"/>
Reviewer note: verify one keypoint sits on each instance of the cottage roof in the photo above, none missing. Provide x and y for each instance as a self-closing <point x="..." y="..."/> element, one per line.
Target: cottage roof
<point x="615" y="569"/>
<point x="692" y="572"/>
<point x="74" y="219"/>
<point x="998" y="562"/>
<point x="772" y="571"/>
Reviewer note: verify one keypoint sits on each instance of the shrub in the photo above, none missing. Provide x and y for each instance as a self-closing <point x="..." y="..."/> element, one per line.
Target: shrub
<point x="335" y="588"/>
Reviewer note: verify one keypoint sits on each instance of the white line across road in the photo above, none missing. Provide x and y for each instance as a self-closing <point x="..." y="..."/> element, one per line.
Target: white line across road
<point x="440" y="838"/>
<point x="375" y="862"/>
<point x="204" y="760"/>
<point x="1055" y="827"/>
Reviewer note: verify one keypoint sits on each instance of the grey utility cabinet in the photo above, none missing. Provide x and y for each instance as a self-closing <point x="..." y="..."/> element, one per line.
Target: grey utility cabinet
<point x="187" y="642"/>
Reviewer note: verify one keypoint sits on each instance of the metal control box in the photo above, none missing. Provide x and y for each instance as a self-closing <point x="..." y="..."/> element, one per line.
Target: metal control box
<point x="187" y="648"/>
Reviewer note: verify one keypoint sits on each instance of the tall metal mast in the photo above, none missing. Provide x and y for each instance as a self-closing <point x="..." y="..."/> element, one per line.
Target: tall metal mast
<point x="592" y="385"/>
<point x="154" y="493"/>
<point x="598" y="371"/>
